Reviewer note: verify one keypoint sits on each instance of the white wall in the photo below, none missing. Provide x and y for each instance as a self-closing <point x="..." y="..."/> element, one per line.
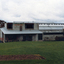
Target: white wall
<point x="15" y="27"/>
<point x="36" y="26"/>
<point x="5" y="25"/>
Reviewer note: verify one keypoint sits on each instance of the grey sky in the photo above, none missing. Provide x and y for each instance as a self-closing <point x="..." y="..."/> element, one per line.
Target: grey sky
<point x="32" y="10"/>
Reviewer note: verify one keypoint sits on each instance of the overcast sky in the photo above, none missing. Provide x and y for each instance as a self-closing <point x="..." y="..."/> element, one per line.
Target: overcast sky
<point x="32" y="10"/>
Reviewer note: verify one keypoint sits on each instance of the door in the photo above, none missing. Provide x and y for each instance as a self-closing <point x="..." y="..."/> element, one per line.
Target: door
<point x="20" y="28"/>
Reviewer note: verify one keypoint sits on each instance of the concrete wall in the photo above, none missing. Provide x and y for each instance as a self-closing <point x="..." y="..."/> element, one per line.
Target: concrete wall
<point x="34" y="38"/>
<point x="5" y="25"/>
<point x="15" y="27"/>
<point x="23" y="27"/>
<point x="50" y="37"/>
<point x="36" y="26"/>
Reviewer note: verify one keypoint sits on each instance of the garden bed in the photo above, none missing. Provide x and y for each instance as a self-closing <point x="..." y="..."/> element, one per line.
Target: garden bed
<point x="20" y="57"/>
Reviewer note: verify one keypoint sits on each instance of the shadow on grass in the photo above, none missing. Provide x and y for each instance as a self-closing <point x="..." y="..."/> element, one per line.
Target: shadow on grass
<point x="32" y="62"/>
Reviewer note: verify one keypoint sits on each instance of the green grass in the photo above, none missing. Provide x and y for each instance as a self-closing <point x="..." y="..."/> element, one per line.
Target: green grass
<point x="53" y="51"/>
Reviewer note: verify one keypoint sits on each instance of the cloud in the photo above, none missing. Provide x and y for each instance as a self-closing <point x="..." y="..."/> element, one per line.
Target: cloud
<point x="29" y="10"/>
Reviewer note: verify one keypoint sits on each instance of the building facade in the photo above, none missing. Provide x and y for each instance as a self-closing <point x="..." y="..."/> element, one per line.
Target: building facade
<point x="31" y="31"/>
<point x="21" y="31"/>
<point x="52" y="31"/>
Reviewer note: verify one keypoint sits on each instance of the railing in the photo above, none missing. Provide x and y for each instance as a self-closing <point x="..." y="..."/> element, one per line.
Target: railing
<point x="51" y="24"/>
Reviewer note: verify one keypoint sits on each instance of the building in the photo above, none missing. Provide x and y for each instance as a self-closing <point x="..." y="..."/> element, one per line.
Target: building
<point x="21" y="31"/>
<point x="31" y="31"/>
<point x="52" y="31"/>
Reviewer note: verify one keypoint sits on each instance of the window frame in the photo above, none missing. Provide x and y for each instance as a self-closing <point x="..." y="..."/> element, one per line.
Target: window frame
<point x="39" y="36"/>
<point x="28" y="26"/>
<point x="10" y="27"/>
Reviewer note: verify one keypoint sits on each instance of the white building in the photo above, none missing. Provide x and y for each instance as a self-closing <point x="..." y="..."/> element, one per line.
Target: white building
<point x="31" y="31"/>
<point x="21" y="31"/>
<point x="51" y="31"/>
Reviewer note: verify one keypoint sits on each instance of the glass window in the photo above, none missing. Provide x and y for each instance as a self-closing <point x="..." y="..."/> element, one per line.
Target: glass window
<point x="29" y="26"/>
<point x="9" y="25"/>
<point x="39" y="36"/>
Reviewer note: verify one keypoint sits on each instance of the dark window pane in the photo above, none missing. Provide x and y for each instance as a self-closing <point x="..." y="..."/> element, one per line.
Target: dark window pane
<point x="29" y="26"/>
<point x="9" y="26"/>
<point x="39" y="36"/>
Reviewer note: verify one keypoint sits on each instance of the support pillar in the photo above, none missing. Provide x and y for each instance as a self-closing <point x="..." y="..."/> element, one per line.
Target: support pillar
<point x="36" y="37"/>
<point x="4" y="38"/>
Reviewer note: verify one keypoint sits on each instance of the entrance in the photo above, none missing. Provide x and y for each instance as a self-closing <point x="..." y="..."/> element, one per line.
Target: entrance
<point x="27" y="37"/>
<point x="20" y="28"/>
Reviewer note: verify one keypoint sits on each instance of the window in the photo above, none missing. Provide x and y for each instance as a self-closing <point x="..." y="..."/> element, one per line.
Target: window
<point x="29" y="26"/>
<point x="39" y="36"/>
<point x="9" y="25"/>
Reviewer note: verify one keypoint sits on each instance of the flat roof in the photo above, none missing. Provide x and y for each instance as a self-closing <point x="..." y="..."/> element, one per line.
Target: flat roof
<point x="22" y="21"/>
<point x="40" y="22"/>
<point x="43" y="22"/>
<point x="5" y="31"/>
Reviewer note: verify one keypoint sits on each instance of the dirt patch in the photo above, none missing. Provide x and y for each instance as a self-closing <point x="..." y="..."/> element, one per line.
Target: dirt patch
<point x="20" y="57"/>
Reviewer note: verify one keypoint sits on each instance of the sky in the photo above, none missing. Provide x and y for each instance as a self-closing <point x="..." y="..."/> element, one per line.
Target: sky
<point x="32" y="10"/>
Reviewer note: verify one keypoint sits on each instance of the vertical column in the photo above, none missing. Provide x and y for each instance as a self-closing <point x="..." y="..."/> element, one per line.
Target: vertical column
<point x="4" y="38"/>
<point x="36" y="37"/>
<point x="1" y="34"/>
<point x="5" y="25"/>
<point x="33" y="38"/>
<point x="23" y="26"/>
<point x="13" y="26"/>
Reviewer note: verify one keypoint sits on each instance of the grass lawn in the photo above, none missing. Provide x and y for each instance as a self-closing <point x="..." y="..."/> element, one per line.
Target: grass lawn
<point x="53" y="51"/>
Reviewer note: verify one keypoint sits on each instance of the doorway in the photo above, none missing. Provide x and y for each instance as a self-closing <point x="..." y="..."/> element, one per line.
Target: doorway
<point x="20" y="28"/>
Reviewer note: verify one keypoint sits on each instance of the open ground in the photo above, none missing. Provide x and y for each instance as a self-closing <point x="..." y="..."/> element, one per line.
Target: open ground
<point x="53" y="51"/>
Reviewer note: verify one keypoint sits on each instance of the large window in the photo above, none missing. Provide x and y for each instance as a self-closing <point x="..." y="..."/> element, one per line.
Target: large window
<point x="9" y="25"/>
<point x="39" y="36"/>
<point x="29" y="26"/>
